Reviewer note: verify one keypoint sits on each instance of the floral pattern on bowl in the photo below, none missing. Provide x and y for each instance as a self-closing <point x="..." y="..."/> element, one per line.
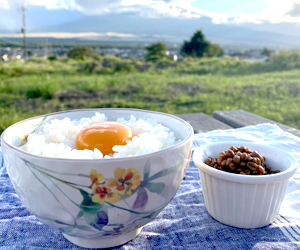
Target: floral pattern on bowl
<point x="104" y="193"/>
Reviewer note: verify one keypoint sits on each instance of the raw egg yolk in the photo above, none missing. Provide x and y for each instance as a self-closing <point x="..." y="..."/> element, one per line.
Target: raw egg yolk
<point x="103" y="136"/>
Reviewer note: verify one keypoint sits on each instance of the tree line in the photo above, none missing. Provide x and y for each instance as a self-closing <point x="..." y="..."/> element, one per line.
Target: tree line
<point x="197" y="46"/>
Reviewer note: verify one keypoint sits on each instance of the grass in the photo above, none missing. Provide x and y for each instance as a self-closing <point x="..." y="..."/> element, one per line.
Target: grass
<point x="204" y="85"/>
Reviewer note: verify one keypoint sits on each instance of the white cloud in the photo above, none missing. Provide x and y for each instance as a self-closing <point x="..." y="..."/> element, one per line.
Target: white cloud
<point x="145" y="7"/>
<point x="295" y="10"/>
<point x="95" y="7"/>
<point x="49" y="4"/>
<point x="277" y="10"/>
<point x="4" y="4"/>
<point x="11" y="17"/>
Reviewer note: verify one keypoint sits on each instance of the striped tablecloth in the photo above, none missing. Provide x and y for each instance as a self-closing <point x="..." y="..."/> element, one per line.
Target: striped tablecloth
<point x="185" y="222"/>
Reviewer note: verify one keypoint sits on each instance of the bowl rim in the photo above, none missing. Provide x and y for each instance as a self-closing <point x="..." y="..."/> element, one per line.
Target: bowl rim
<point x="187" y="138"/>
<point x="257" y="179"/>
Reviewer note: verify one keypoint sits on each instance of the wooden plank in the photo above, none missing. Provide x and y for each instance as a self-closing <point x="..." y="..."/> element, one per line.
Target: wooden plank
<point x="241" y="118"/>
<point x="202" y="122"/>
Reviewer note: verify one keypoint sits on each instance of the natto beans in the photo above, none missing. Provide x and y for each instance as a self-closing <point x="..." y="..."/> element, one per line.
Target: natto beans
<point x="241" y="160"/>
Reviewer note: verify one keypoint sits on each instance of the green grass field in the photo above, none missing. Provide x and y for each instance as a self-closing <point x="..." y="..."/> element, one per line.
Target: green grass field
<point x="269" y="89"/>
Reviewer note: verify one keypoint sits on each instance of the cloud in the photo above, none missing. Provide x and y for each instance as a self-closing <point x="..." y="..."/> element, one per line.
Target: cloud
<point x="95" y="7"/>
<point x="4" y="4"/>
<point x="277" y="11"/>
<point x="11" y="16"/>
<point x="295" y="10"/>
<point x="150" y="8"/>
<point x="49" y="4"/>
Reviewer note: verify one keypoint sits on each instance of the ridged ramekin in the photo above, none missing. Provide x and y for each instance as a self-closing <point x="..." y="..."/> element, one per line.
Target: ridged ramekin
<point x="241" y="200"/>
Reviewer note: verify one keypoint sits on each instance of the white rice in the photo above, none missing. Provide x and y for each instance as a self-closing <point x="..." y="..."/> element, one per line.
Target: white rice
<point x="57" y="139"/>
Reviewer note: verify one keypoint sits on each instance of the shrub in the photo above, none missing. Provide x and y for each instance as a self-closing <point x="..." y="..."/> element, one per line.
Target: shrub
<point x="89" y="67"/>
<point x="284" y="61"/>
<point x="108" y="65"/>
<point x="37" y="92"/>
<point x="52" y="58"/>
<point x="156" y="51"/>
<point x="11" y="71"/>
<point x="82" y="53"/>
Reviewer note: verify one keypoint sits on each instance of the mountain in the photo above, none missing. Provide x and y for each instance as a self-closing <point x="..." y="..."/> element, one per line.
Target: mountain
<point x="127" y="27"/>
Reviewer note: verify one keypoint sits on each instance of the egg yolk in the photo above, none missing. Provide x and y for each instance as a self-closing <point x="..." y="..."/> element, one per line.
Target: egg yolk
<point x="103" y="136"/>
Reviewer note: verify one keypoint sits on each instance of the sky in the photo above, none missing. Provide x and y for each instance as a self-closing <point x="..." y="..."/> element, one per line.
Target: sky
<point x="53" y="12"/>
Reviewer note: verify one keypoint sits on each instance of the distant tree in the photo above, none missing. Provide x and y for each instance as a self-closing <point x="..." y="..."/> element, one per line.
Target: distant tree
<point x="82" y="53"/>
<point x="266" y="52"/>
<point x="213" y="50"/>
<point x="156" y="51"/>
<point x="198" y="46"/>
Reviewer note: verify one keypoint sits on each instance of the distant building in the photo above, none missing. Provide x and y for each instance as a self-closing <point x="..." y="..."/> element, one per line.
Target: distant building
<point x="5" y="58"/>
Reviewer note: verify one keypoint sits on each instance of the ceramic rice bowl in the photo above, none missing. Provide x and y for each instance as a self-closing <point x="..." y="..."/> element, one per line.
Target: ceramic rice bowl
<point x="59" y="192"/>
<point x="241" y="200"/>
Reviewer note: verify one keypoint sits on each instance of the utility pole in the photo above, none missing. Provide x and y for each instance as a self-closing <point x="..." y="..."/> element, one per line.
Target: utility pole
<point x="23" y="30"/>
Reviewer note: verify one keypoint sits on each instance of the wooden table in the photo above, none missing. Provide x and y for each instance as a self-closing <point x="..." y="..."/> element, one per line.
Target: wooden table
<point x="228" y="120"/>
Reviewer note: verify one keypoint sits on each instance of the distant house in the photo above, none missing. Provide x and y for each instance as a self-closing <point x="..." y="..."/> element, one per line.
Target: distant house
<point x="5" y="58"/>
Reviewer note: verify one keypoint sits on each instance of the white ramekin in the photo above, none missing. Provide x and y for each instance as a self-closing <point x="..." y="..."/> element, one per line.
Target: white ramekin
<point x="241" y="200"/>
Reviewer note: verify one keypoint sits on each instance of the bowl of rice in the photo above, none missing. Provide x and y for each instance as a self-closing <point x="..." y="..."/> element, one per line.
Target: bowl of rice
<point x="98" y="195"/>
